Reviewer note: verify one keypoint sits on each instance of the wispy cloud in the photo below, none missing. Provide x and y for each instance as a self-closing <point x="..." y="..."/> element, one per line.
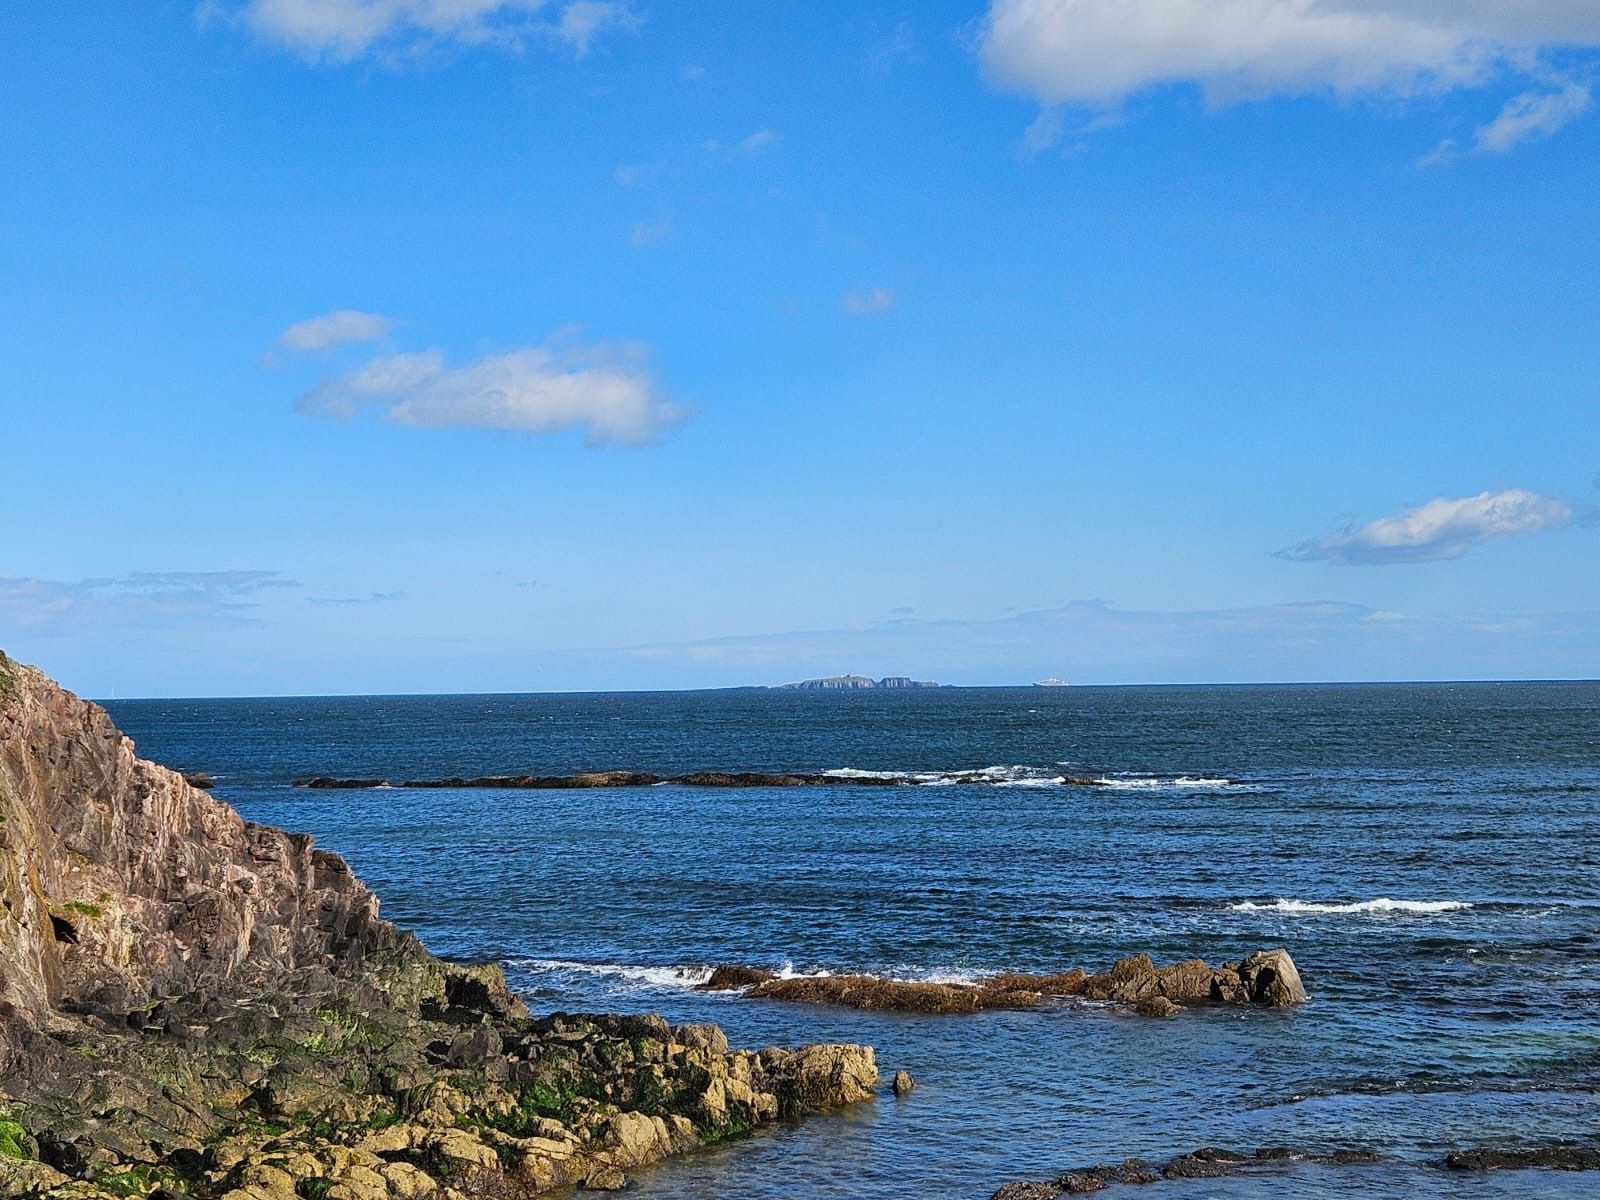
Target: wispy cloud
<point x="1092" y="641"/>
<point x="154" y="599"/>
<point x="867" y="301"/>
<point x="648" y="233"/>
<point x="346" y="30"/>
<point x="1441" y="528"/>
<point x="1096" y="53"/>
<point x="605" y="390"/>
<point x="398" y="31"/>
<point x="584" y="20"/>
<point x="1531" y="115"/>
<point x="342" y="327"/>
<point x="753" y="146"/>
<point x="369" y="598"/>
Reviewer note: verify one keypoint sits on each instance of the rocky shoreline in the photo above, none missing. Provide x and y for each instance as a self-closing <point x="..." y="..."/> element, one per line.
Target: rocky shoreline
<point x="192" y="1005"/>
<point x="1268" y="977"/>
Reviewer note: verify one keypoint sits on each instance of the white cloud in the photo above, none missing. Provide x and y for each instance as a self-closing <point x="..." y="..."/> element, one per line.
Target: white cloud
<point x="344" y="30"/>
<point x="1532" y="114"/>
<point x="605" y="391"/>
<point x="340" y="328"/>
<point x="583" y="20"/>
<point x="1097" y="52"/>
<point x="757" y="144"/>
<point x="867" y="301"/>
<point x="150" y="599"/>
<point x="648" y="233"/>
<point x="1441" y="528"/>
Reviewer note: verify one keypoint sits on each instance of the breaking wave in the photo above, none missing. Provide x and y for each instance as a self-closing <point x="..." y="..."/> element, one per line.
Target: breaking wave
<point x="1381" y="905"/>
<point x="1033" y="777"/>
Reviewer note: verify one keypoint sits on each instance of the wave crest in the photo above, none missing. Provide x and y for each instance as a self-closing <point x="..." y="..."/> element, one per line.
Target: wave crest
<point x="1382" y="905"/>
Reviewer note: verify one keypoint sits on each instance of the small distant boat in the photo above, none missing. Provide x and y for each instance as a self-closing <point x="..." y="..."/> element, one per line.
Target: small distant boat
<point x="1052" y="682"/>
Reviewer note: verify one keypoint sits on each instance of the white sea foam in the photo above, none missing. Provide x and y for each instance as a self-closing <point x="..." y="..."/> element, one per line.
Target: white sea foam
<point x="1152" y="783"/>
<point x="1381" y="905"/>
<point x="679" y="977"/>
<point x="624" y="977"/>
<point x="1021" y="775"/>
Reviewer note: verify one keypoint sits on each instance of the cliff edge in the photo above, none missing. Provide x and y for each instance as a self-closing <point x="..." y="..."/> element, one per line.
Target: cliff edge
<point x="193" y="1005"/>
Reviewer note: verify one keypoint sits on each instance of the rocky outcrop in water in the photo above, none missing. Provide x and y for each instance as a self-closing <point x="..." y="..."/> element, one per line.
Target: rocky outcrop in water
<point x="192" y="1005"/>
<point x="1210" y="1163"/>
<point x="1267" y="977"/>
<point x="1213" y="1163"/>
<point x="698" y="779"/>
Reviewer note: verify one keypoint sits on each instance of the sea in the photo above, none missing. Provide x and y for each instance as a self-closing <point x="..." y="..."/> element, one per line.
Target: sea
<point x="1428" y="853"/>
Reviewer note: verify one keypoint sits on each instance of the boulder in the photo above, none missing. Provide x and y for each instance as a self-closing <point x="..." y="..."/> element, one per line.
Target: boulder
<point x="1270" y="977"/>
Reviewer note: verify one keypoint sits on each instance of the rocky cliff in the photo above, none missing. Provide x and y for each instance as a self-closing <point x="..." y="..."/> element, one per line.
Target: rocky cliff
<point x="192" y="1005"/>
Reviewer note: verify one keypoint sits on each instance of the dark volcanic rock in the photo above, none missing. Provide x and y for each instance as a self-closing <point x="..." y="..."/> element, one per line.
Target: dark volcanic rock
<point x="192" y="1005"/>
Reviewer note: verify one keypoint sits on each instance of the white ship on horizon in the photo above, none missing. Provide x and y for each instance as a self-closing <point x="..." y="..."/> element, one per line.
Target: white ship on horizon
<point x="1052" y="682"/>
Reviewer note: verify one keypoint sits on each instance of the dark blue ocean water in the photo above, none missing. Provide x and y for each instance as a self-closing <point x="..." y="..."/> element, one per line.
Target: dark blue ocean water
<point x="1430" y="854"/>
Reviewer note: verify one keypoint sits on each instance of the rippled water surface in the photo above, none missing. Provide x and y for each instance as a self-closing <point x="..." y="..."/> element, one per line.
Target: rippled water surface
<point x="1429" y="854"/>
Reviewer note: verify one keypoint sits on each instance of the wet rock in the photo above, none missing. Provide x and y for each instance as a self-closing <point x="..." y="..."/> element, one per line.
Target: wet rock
<point x="1266" y="978"/>
<point x="729" y="979"/>
<point x="1156" y="1006"/>
<point x="903" y="1083"/>
<point x="1270" y="977"/>
<point x="1026" y="1191"/>
<point x="1557" y="1158"/>
<point x="606" y="1179"/>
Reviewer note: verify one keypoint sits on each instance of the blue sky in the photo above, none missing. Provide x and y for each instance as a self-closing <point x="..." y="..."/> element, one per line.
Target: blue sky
<point x="436" y="345"/>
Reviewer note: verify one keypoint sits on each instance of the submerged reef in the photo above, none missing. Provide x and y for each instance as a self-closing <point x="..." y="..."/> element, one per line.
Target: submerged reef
<point x="193" y="1005"/>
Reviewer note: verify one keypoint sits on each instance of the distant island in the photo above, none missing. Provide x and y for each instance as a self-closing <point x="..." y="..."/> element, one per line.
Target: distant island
<point x="835" y="683"/>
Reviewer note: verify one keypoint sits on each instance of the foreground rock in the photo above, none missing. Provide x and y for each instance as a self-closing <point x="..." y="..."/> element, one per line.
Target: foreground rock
<point x="1212" y="1163"/>
<point x="699" y="779"/>
<point x="192" y="1005"/>
<point x="1267" y="977"/>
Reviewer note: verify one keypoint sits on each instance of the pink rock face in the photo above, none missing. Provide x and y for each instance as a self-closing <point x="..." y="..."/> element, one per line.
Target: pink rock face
<point x="121" y="885"/>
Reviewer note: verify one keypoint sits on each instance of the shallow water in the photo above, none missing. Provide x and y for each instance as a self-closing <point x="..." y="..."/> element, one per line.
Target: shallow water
<point x="1429" y="854"/>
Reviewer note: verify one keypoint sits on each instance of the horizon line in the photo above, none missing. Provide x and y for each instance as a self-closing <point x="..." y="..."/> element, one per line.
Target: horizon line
<point x="943" y="687"/>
